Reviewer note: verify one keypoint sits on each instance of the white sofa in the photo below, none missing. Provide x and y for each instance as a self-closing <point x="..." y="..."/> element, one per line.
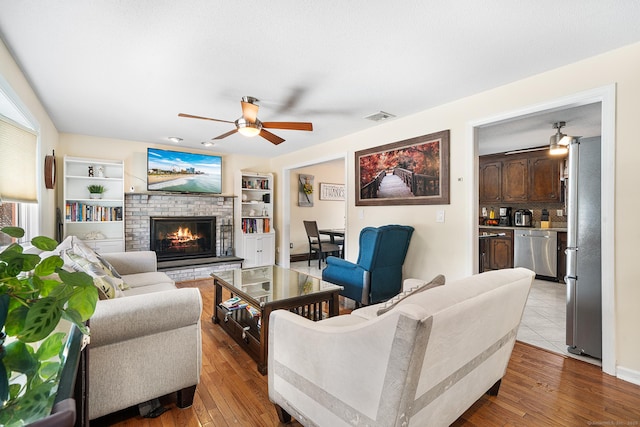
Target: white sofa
<point x="146" y="344"/>
<point x="422" y="363"/>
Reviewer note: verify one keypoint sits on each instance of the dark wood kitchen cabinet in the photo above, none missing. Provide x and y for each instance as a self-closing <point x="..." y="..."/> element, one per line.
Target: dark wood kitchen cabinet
<point x="562" y="257"/>
<point x="519" y="178"/>
<point x="490" y="181"/>
<point x="515" y="180"/>
<point x="496" y="252"/>
<point x="544" y="179"/>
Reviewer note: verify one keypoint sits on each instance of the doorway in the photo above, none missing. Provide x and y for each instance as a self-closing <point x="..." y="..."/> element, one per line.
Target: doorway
<point x="606" y="97"/>
<point x="293" y="230"/>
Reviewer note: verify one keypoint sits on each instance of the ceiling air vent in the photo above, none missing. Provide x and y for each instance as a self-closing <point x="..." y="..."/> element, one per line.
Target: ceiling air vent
<point x="380" y="115"/>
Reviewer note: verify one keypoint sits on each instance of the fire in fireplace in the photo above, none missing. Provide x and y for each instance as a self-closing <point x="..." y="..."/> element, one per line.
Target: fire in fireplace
<point x="183" y="237"/>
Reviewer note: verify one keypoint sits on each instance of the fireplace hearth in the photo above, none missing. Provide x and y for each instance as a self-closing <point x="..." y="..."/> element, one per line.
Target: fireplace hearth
<point x="175" y="238"/>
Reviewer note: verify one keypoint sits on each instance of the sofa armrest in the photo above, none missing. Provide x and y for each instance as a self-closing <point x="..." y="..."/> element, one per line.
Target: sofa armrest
<point x="121" y="319"/>
<point x="132" y="262"/>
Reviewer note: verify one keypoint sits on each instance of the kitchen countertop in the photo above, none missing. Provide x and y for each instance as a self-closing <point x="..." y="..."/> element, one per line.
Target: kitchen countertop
<point x="502" y="227"/>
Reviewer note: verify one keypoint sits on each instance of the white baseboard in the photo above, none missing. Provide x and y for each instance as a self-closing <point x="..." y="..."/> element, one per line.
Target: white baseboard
<point x="628" y="375"/>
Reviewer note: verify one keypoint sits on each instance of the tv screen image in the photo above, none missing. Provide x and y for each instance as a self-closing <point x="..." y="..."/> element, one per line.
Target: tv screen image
<point x="182" y="172"/>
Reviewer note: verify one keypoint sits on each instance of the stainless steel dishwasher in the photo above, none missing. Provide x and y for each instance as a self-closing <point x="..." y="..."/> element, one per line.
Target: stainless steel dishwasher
<point x="536" y="250"/>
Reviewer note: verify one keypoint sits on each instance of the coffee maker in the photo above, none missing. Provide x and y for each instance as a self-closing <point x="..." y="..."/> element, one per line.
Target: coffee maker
<point x="505" y="217"/>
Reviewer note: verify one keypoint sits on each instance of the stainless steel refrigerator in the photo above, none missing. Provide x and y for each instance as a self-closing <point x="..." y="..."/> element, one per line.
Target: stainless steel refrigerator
<point x="584" y="276"/>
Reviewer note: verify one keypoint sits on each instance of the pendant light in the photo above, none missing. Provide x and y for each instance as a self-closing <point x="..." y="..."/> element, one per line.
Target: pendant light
<point x="558" y="141"/>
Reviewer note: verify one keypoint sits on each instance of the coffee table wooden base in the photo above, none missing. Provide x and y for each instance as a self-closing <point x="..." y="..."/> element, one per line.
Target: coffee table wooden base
<point x="238" y="323"/>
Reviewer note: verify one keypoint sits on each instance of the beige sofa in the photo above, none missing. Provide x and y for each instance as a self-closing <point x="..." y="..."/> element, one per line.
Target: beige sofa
<point x="145" y="344"/>
<point x="423" y="362"/>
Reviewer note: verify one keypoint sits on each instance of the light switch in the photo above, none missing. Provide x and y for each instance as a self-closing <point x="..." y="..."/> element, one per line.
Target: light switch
<point x="440" y="216"/>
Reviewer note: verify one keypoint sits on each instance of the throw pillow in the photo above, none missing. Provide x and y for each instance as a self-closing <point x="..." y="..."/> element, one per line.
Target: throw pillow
<point x="437" y="281"/>
<point x="107" y="285"/>
<point x="81" y="249"/>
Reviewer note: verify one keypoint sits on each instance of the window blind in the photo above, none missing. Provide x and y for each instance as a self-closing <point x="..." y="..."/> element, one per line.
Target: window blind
<point x="18" y="160"/>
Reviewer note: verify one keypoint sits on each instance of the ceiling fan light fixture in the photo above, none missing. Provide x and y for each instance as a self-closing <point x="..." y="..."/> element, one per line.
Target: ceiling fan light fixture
<point x="559" y="141"/>
<point x="248" y="128"/>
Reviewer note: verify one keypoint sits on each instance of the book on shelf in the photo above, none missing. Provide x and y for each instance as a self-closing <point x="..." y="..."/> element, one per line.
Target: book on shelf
<point x="82" y="212"/>
<point x="234" y="303"/>
<point x="254" y="312"/>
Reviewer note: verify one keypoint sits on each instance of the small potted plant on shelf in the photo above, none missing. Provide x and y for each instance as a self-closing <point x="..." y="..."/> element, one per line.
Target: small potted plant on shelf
<point x="35" y="294"/>
<point x="96" y="191"/>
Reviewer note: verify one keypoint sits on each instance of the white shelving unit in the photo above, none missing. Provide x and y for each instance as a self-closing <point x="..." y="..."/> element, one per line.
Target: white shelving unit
<point x="98" y="222"/>
<point x="255" y="236"/>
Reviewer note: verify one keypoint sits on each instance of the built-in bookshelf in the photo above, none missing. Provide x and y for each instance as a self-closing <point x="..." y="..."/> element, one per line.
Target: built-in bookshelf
<point x="255" y="237"/>
<point x="97" y="220"/>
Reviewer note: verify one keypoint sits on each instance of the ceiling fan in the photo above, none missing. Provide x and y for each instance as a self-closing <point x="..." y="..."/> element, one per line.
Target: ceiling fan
<point x="249" y="125"/>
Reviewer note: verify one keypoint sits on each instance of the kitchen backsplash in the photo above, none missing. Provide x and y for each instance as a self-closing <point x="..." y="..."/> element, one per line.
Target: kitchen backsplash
<point x="559" y="221"/>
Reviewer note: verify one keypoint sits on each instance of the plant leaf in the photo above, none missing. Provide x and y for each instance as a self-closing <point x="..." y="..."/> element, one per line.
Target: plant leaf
<point x="49" y="370"/>
<point x="44" y="243"/>
<point x="74" y="317"/>
<point x="15" y="320"/>
<point x="51" y="346"/>
<point x="42" y="318"/>
<point x="49" y="265"/>
<point x="83" y="301"/>
<point x="10" y="252"/>
<point x="4" y="382"/>
<point x="16" y="232"/>
<point x="77" y="278"/>
<point x="4" y="309"/>
<point x="18" y="262"/>
<point x="47" y="286"/>
<point x="18" y="358"/>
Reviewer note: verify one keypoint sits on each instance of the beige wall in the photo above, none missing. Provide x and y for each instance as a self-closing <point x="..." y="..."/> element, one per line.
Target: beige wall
<point x="448" y="247"/>
<point x="327" y="213"/>
<point x="13" y="76"/>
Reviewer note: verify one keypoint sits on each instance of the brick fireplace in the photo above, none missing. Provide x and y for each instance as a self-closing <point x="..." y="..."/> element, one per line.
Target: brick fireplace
<point x="141" y="208"/>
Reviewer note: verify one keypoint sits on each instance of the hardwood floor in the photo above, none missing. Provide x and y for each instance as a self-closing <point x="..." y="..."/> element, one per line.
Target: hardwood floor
<point x="539" y="388"/>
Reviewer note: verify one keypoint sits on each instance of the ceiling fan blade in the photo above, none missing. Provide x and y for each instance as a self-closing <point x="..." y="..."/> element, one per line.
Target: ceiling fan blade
<point x="203" y="118"/>
<point x="224" y="135"/>
<point x="249" y="111"/>
<point x="274" y="139"/>
<point x="288" y="125"/>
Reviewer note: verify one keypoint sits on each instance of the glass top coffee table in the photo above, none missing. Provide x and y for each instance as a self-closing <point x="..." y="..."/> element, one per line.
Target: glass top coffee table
<point x="262" y="290"/>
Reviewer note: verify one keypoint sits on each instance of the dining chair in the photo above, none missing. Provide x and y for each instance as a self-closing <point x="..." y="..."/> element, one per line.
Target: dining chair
<point x="316" y="245"/>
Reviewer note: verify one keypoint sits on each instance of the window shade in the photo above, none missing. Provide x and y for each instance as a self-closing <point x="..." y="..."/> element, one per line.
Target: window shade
<point x="18" y="148"/>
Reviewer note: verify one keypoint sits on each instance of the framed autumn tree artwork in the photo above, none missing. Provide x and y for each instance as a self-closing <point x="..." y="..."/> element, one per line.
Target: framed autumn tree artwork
<point x="410" y="172"/>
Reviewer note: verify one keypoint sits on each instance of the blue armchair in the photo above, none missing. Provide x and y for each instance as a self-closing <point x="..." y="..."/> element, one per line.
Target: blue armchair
<point x="377" y="276"/>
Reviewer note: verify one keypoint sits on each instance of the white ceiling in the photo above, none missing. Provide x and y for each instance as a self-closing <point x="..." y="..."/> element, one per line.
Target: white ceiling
<point x="125" y="69"/>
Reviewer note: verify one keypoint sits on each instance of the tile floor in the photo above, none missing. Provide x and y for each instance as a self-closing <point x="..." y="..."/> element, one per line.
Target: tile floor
<point x="543" y="321"/>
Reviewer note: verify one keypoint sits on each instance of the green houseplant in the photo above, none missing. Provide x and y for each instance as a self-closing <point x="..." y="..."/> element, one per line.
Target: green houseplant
<point x="35" y="294"/>
<point x="96" y="190"/>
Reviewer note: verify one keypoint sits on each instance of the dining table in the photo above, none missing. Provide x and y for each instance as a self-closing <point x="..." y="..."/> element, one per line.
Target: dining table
<point x="333" y="233"/>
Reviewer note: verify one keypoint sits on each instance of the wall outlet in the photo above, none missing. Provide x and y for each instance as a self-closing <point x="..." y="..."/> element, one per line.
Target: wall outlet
<point x="560" y="212"/>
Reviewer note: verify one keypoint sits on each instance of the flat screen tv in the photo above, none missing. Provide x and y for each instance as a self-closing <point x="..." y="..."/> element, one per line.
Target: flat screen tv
<point x="176" y="171"/>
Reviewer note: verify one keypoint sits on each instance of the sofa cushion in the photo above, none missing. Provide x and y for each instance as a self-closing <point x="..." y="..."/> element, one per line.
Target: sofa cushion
<point x="437" y="281"/>
<point x="156" y="287"/>
<point x="139" y="280"/>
